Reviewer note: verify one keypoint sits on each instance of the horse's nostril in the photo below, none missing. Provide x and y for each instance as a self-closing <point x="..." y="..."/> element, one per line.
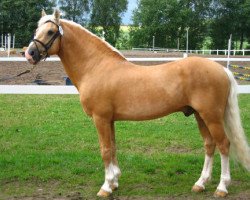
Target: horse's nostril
<point x="32" y="53"/>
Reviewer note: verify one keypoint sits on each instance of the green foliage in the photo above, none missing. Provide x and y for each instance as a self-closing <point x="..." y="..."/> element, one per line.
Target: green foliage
<point x="75" y="10"/>
<point x="107" y="14"/>
<point x="123" y="42"/>
<point x="167" y="21"/>
<point x="20" y="17"/>
<point x="230" y="17"/>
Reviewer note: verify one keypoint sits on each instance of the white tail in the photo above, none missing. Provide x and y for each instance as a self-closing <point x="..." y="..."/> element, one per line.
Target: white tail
<point x="234" y="130"/>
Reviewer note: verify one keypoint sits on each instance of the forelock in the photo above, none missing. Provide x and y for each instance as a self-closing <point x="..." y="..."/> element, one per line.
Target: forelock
<point x="45" y="19"/>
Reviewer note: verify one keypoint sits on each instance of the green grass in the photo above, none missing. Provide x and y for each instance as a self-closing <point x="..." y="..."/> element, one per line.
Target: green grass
<point x="46" y="141"/>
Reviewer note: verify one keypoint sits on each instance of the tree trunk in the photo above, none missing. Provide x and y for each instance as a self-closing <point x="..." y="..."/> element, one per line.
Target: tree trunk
<point x="241" y="40"/>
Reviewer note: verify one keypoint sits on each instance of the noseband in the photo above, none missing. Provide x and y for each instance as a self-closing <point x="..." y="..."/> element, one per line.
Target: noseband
<point x="44" y="54"/>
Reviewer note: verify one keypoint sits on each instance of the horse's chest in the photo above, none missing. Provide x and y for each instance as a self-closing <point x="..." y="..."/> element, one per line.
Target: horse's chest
<point x="87" y="104"/>
<point x="96" y="105"/>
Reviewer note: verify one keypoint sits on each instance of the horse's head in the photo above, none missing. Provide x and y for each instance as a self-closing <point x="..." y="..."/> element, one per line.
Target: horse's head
<point x="46" y="41"/>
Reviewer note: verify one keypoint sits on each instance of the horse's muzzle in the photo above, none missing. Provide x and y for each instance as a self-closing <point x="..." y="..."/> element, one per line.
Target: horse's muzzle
<point x="32" y="55"/>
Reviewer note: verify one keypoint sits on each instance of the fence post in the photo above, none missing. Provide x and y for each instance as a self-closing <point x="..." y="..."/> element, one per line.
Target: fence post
<point x="9" y="41"/>
<point x="13" y="41"/>
<point x="187" y="28"/>
<point x="5" y="42"/>
<point x="229" y="50"/>
<point x="103" y="35"/>
<point x="243" y="52"/>
<point x="153" y="43"/>
<point x="217" y="52"/>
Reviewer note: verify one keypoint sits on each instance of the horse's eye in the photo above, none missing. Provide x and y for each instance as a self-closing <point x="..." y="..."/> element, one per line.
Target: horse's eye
<point x="50" y="32"/>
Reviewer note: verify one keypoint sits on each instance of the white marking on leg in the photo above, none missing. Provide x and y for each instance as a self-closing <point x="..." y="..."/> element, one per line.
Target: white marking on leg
<point x="112" y="173"/>
<point x="225" y="177"/>
<point x="206" y="172"/>
<point x="117" y="173"/>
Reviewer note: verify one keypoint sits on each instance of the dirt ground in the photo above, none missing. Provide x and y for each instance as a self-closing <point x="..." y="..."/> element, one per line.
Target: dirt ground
<point x="41" y="194"/>
<point x="52" y="73"/>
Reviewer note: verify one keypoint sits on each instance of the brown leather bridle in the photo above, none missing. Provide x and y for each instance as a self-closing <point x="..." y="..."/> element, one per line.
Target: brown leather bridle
<point x="44" y="54"/>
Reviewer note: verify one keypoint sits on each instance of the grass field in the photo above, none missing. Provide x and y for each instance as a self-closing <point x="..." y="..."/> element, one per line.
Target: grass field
<point x="49" y="148"/>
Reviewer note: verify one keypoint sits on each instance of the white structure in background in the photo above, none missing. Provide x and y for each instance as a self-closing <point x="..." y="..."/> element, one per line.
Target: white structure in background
<point x="187" y="29"/>
<point x="229" y="50"/>
<point x="7" y="42"/>
<point x="103" y="35"/>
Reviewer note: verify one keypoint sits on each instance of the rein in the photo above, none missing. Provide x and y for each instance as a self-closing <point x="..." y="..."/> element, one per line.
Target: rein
<point x="44" y="54"/>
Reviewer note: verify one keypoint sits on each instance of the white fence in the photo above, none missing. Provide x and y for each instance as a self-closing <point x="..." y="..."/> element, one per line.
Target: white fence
<point x="7" y="42"/>
<point x="40" y="89"/>
<point x="164" y="59"/>
<point x="37" y="89"/>
<point x="34" y="89"/>
<point x="202" y="51"/>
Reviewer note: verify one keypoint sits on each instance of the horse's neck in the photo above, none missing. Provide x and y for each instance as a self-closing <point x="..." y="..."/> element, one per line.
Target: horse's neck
<point x="81" y="51"/>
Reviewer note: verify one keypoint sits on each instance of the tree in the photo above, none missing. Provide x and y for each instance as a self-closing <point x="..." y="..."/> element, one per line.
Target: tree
<point x="107" y="14"/>
<point x="230" y="17"/>
<point x="76" y="10"/>
<point x="20" y="17"/>
<point x="167" y="20"/>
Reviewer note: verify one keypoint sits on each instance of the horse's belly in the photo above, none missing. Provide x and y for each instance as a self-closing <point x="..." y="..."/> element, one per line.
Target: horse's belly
<point x="145" y="111"/>
<point x="149" y="100"/>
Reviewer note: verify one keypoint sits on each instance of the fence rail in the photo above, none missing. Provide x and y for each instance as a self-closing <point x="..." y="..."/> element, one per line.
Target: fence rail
<point x="201" y="51"/>
<point x="37" y="89"/>
<point x="34" y="89"/>
<point x="164" y="59"/>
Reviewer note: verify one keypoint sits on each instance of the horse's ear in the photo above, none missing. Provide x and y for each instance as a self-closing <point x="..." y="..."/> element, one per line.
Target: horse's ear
<point x="57" y="15"/>
<point x="43" y="13"/>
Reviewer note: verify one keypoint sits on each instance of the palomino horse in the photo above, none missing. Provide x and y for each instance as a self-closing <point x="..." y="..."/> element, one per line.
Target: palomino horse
<point x="111" y="89"/>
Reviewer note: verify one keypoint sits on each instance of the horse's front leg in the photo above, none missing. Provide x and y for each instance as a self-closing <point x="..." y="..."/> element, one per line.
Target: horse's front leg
<point x="107" y="144"/>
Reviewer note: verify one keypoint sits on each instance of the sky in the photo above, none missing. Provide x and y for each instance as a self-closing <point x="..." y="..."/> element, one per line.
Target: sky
<point x="132" y="4"/>
<point x="126" y="19"/>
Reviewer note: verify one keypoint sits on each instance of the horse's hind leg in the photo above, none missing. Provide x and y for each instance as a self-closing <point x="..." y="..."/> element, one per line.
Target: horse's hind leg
<point x="214" y="122"/>
<point x="217" y="131"/>
<point x="107" y="144"/>
<point x="209" y="145"/>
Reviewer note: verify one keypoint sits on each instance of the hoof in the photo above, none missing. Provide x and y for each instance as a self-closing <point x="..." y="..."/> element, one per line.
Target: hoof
<point x="197" y="189"/>
<point x="219" y="193"/>
<point x="103" y="193"/>
<point x="114" y="188"/>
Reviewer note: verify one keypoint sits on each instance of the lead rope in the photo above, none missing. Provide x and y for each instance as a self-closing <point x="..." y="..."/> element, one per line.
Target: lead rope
<point x="27" y="71"/>
<point x="18" y="75"/>
<point x="46" y="47"/>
